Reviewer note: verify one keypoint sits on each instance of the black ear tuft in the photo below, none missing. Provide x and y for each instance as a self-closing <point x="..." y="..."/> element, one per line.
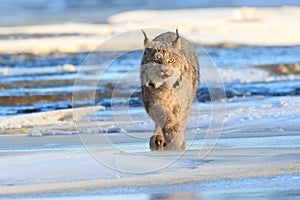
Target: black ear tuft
<point x="146" y="40"/>
<point x="177" y="33"/>
<point x="177" y="42"/>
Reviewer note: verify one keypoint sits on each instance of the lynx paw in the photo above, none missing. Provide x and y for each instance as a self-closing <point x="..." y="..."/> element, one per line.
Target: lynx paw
<point x="157" y="142"/>
<point x="170" y="137"/>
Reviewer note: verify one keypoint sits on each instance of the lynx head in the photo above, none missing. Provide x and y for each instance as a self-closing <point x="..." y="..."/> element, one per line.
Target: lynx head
<point x="162" y="63"/>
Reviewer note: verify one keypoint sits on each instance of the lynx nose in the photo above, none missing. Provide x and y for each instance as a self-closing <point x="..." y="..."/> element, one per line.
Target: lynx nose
<point x="164" y="68"/>
<point x="164" y="73"/>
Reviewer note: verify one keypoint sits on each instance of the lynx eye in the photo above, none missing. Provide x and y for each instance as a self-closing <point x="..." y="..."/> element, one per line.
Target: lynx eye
<point x="172" y="60"/>
<point x="157" y="61"/>
<point x="147" y="51"/>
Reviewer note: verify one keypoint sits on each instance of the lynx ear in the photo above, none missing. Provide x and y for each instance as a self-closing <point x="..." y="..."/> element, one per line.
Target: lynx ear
<point x="177" y="41"/>
<point x="146" y="40"/>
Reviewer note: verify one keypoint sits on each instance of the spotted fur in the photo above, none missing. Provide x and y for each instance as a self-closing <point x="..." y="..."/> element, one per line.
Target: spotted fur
<point x="169" y="78"/>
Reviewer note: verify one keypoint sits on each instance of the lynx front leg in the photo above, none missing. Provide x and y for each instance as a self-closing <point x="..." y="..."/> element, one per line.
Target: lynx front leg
<point x="170" y="121"/>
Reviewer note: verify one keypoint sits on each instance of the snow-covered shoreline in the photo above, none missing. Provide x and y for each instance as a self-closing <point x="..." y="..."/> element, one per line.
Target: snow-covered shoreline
<point x="211" y="26"/>
<point x="89" y="120"/>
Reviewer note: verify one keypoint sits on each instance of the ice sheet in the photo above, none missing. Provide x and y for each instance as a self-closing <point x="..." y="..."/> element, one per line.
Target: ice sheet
<point x="76" y="170"/>
<point x="254" y="146"/>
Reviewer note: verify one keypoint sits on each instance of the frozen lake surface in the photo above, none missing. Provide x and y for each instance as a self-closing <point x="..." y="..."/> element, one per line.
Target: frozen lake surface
<point x="261" y="167"/>
<point x="37" y="83"/>
<point x="255" y="158"/>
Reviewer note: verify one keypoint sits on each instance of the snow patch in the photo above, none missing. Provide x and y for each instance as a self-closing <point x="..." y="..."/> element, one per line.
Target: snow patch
<point x="66" y="68"/>
<point x="65" y="116"/>
<point x="245" y="14"/>
<point x="39" y="133"/>
<point x="283" y="108"/>
<point x="96" y="130"/>
<point x="5" y="71"/>
<point x="252" y="75"/>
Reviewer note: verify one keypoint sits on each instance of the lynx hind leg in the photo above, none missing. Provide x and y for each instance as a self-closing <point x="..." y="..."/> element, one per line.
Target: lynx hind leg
<point x="171" y="131"/>
<point x="177" y="144"/>
<point x="174" y="133"/>
<point x="172" y="127"/>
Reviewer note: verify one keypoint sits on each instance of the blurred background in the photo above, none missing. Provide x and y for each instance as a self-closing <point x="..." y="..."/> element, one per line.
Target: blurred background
<point x="30" y="12"/>
<point x="43" y="43"/>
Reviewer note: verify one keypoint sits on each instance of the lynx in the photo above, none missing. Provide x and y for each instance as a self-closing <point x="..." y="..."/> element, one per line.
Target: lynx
<point x="169" y="78"/>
